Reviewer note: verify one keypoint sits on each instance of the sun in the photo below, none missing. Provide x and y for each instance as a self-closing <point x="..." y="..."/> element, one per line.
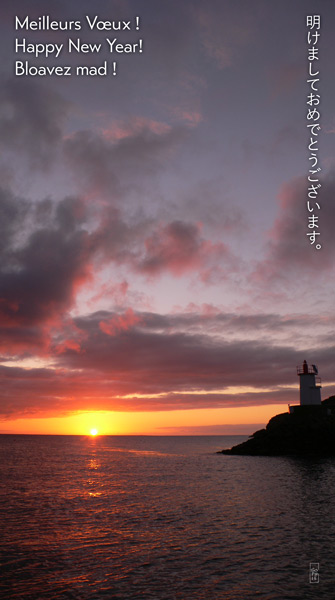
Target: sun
<point x="94" y="432"/>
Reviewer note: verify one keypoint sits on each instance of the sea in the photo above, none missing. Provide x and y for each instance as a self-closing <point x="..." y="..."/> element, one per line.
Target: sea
<point x="162" y="518"/>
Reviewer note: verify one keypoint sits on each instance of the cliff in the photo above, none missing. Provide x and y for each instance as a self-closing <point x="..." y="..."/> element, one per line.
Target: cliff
<point x="309" y="431"/>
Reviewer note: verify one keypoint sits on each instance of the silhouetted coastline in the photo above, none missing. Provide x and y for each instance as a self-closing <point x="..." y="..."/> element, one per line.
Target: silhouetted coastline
<point x="309" y="431"/>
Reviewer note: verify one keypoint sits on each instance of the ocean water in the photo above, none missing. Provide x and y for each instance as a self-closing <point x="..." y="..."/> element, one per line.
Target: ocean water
<point x="151" y="518"/>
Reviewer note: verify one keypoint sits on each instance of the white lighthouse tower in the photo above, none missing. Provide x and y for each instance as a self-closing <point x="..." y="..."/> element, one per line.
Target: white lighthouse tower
<point x="310" y="385"/>
<point x="310" y="388"/>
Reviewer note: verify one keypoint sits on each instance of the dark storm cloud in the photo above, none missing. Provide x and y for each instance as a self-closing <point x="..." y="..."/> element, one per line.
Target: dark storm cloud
<point x="13" y="212"/>
<point x="22" y="340"/>
<point x="39" y="271"/>
<point x="48" y="251"/>
<point x="31" y="120"/>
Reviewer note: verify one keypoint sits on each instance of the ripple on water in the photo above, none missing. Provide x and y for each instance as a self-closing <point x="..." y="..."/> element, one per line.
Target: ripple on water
<point x="160" y="518"/>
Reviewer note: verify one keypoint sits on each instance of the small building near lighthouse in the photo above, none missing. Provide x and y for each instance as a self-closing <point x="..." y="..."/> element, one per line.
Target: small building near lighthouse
<point x="310" y="387"/>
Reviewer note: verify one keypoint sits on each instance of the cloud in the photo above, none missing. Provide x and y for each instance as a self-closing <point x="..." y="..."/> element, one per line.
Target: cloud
<point x="43" y="277"/>
<point x="49" y="250"/>
<point x="179" y="247"/>
<point x="110" y="162"/>
<point x="121" y="322"/>
<point x="165" y="345"/>
<point x="223" y="37"/>
<point x="31" y="121"/>
<point x="13" y="212"/>
<point x="135" y="126"/>
<point x="146" y="361"/>
<point x="152" y="248"/>
<point x="288" y="254"/>
<point x="44" y="259"/>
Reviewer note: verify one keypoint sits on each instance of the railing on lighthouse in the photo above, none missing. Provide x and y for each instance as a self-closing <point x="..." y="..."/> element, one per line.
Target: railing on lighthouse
<point x="311" y="370"/>
<point x="305" y="368"/>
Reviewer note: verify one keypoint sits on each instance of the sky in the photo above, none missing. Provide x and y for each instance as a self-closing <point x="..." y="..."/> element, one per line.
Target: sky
<point x="156" y="275"/>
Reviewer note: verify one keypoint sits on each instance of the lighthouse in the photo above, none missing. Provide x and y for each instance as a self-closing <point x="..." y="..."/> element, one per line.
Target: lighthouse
<point x="310" y="389"/>
<point x="310" y="385"/>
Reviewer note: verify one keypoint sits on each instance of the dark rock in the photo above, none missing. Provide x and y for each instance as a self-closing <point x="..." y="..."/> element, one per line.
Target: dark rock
<point x="308" y="431"/>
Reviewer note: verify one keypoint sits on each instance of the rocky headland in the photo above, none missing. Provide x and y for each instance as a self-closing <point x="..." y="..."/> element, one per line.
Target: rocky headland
<point x="308" y="431"/>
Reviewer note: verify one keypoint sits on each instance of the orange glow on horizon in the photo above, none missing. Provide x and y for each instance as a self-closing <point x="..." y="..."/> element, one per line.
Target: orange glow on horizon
<point x="177" y="422"/>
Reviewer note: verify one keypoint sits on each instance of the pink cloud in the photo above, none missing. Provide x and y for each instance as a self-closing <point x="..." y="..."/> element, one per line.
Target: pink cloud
<point x="170" y="362"/>
<point x="288" y="252"/>
<point x="120" y="323"/>
<point x="189" y="116"/>
<point x="116" y="291"/>
<point x="68" y="345"/>
<point x="178" y="247"/>
<point x="133" y="127"/>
